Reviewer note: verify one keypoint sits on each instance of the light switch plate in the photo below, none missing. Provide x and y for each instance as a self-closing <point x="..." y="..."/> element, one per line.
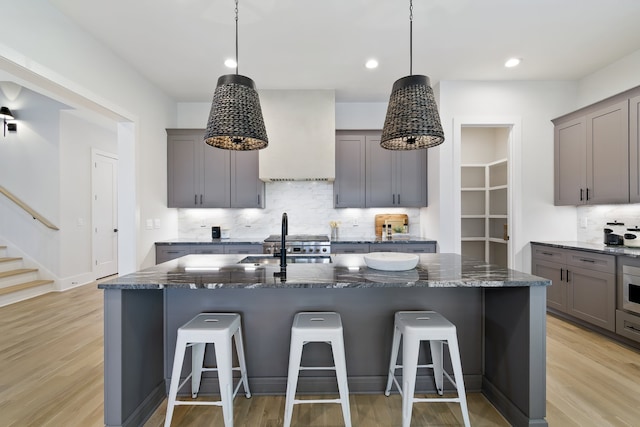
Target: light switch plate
<point x="149" y="224"/>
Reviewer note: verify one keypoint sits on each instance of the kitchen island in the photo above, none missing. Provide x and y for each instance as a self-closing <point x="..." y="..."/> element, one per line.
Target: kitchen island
<point x="499" y="314"/>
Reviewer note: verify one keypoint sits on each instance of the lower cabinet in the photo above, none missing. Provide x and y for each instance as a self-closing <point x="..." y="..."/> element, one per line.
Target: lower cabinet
<point x="166" y="253"/>
<point x="363" y="248"/>
<point x="583" y="283"/>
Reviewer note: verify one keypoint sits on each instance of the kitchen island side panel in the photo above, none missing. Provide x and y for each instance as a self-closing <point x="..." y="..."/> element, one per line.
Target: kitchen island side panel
<point x="133" y="355"/>
<point x="367" y="318"/>
<point x="515" y="353"/>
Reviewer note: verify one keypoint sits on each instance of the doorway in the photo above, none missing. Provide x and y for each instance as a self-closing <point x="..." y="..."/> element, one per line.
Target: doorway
<point x="104" y="213"/>
<point x="485" y="196"/>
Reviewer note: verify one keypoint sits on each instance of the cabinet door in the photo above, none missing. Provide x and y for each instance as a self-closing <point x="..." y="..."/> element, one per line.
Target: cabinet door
<point x="247" y="248"/>
<point x="208" y="249"/>
<point x="634" y="149"/>
<point x="215" y="189"/>
<point x="570" y="159"/>
<point x="591" y="297"/>
<point x="410" y="178"/>
<point x="556" y="292"/>
<point x="349" y="248"/>
<point x="247" y="191"/>
<point x="349" y="186"/>
<point x="183" y="168"/>
<point x="607" y="153"/>
<point x="380" y="191"/>
<point x="166" y="253"/>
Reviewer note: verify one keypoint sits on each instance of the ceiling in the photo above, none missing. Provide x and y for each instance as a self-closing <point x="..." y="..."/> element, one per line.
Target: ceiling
<point x="181" y="45"/>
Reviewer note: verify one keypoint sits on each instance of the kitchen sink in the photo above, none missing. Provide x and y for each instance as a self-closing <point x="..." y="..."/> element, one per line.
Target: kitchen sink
<point x="270" y="259"/>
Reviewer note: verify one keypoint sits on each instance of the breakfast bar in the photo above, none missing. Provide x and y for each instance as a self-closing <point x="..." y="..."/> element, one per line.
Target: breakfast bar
<point x="499" y="315"/>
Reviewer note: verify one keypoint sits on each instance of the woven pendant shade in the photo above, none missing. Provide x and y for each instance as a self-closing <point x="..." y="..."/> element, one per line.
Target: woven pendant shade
<point x="412" y="120"/>
<point x="235" y="121"/>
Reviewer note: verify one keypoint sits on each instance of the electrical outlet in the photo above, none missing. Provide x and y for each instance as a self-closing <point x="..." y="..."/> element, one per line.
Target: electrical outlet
<point x="156" y="223"/>
<point x="583" y="222"/>
<point x="354" y="222"/>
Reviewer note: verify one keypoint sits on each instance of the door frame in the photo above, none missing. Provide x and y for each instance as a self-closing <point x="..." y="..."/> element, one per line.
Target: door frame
<point x="514" y="191"/>
<point x="94" y="153"/>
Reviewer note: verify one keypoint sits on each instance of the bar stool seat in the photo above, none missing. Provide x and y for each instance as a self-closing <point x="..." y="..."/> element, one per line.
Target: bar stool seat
<point x="217" y="329"/>
<point x="414" y="327"/>
<point x="317" y="327"/>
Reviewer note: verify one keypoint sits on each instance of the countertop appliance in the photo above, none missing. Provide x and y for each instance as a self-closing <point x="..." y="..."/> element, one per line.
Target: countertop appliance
<point x="613" y="233"/>
<point x="631" y="288"/>
<point x="632" y="237"/>
<point x="216" y="232"/>
<point x="298" y="244"/>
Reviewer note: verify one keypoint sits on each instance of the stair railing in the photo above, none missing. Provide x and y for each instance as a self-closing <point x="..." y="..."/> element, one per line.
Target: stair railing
<point x="35" y="215"/>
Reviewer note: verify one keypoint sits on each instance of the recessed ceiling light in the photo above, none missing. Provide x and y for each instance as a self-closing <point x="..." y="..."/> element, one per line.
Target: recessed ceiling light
<point x="231" y="63"/>
<point x="512" y="62"/>
<point x="371" y="63"/>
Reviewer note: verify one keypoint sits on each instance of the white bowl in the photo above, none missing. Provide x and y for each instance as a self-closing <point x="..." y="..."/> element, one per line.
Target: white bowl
<point x="391" y="261"/>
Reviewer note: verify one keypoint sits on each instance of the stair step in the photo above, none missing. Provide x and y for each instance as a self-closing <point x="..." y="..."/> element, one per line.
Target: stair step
<point x="16" y="272"/>
<point x="9" y="259"/>
<point x="26" y="285"/>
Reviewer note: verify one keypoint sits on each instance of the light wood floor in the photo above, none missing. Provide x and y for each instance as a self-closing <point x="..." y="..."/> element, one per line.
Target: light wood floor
<point x="51" y="374"/>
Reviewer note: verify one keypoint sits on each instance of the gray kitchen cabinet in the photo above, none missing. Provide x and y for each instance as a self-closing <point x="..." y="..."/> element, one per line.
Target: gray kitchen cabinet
<point x="585" y="287"/>
<point x="395" y="178"/>
<point x="590" y="151"/>
<point x="166" y="253"/>
<point x="200" y="176"/>
<point x="349" y="248"/>
<point x="403" y="247"/>
<point x="248" y="248"/>
<point x="207" y="249"/>
<point x="349" y="185"/>
<point x="634" y="149"/>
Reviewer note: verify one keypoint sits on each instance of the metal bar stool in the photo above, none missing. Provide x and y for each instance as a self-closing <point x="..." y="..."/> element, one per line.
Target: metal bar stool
<point x="413" y="327"/>
<point x="317" y="327"/>
<point x="217" y="329"/>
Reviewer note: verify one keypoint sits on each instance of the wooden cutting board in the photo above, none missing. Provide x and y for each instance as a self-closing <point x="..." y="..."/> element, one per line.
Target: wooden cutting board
<point x="393" y="219"/>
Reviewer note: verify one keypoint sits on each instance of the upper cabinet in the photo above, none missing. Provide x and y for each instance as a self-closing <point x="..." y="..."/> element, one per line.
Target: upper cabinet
<point x="591" y="153"/>
<point x="634" y="149"/>
<point x="200" y="176"/>
<point x="368" y="175"/>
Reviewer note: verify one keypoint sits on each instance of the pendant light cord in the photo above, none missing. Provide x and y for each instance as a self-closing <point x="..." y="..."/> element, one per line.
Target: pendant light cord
<point x="410" y="37"/>
<point x="236" y="36"/>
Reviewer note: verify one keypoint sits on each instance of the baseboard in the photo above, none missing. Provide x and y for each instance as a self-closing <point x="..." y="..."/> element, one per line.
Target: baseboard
<point x="508" y="410"/>
<point x="146" y="408"/>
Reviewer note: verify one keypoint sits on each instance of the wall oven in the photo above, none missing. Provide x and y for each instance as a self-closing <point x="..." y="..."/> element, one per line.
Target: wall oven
<point x="631" y="288"/>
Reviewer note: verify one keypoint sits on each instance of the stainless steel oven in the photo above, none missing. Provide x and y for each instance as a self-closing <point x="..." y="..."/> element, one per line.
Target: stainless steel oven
<point x="298" y="244"/>
<point x="631" y="288"/>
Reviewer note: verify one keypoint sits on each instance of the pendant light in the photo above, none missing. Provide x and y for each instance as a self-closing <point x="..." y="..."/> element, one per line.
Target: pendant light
<point x="235" y="121"/>
<point x="412" y="119"/>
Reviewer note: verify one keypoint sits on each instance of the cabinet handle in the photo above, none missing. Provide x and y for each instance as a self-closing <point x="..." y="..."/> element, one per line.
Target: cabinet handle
<point x="547" y="253"/>
<point x="336" y="199"/>
<point x="201" y="199"/>
<point x="561" y="271"/>
<point x="581" y="191"/>
<point x="394" y="200"/>
<point x="258" y="200"/>
<point x="587" y="194"/>
<point x="587" y="260"/>
<point x="195" y="199"/>
<point x="568" y="275"/>
<point x="398" y="198"/>
<point x="633" y="328"/>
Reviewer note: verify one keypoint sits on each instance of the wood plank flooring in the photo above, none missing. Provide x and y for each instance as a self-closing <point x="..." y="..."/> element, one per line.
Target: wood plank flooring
<point x="51" y="374"/>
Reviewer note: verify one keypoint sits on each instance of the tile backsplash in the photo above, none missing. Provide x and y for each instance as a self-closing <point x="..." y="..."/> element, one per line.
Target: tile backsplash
<point x="309" y="207"/>
<point x="596" y="218"/>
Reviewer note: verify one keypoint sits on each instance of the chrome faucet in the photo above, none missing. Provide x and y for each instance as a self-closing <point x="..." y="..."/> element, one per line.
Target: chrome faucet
<point x="282" y="274"/>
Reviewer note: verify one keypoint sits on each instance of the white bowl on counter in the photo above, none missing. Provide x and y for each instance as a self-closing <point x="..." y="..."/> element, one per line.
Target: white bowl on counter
<point x="391" y="261"/>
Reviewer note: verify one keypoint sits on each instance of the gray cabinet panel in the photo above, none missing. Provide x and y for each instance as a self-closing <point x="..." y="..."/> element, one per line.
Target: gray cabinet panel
<point x="247" y="191"/>
<point x="607" y="151"/>
<point x="556" y="293"/>
<point x="411" y="178"/>
<point x="591" y="297"/>
<point x="166" y="253"/>
<point x="403" y="247"/>
<point x="243" y="249"/>
<point x="207" y="249"/>
<point x="215" y="189"/>
<point x="570" y="162"/>
<point x="349" y="248"/>
<point x="183" y="171"/>
<point x="634" y="149"/>
<point x="380" y="186"/>
<point x="349" y="186"/>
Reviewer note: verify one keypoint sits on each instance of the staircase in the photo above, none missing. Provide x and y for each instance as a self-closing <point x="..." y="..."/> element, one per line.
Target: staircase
<point x="18" y="283"/>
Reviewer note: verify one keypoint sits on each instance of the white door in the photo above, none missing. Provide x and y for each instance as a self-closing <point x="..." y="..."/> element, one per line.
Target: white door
<point x="104" y="183"/>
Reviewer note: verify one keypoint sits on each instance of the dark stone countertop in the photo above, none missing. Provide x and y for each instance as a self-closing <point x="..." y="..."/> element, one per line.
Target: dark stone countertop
<point x="599" y="248"/>
<point x="210" y="241"/>
<point x="365" y="240"/>
<point x="345" y="271"/>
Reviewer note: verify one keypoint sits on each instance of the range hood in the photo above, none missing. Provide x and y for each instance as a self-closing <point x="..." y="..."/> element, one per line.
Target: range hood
<point x="301" y="126"/>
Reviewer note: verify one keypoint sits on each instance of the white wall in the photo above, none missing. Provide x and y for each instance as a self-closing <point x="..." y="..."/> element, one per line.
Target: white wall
<point x="92" y="76"/>
<point x="533" y="104"/>
<point x="78" y="135"/>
